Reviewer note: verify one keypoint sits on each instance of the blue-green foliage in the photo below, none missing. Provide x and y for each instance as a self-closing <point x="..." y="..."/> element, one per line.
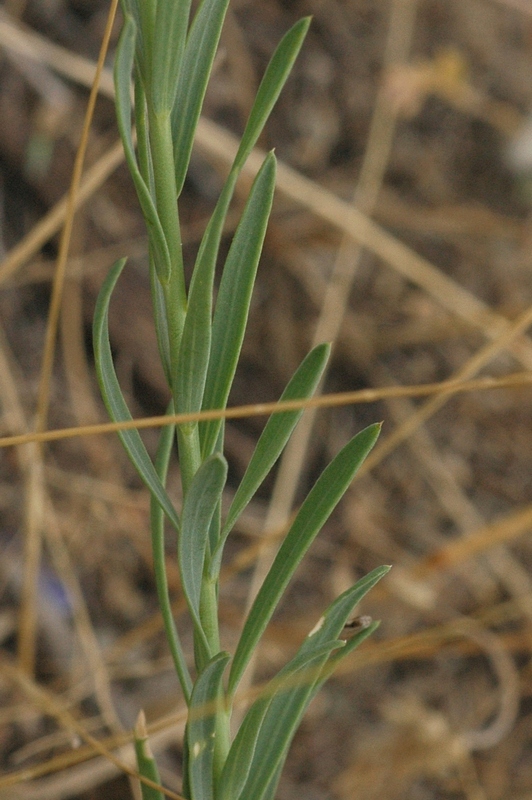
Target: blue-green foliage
<point x="169" y="58"/>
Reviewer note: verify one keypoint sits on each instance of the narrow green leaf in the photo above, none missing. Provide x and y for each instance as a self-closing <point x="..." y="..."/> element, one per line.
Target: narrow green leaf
<point x="314" y="512"/>
<point x="200" y="50"/>
<point x="204" y="34"/>
<point x="143" y="141"/>
<point x="239" y="760"/>
<point x="300" y="680"/>
<point x="157" y="518"/>
<point x="234" y="297"/>
<point x="281" y="719"/>
<point x="193" y="361"/>
<point x="114" y="400"/>
<point x="273" y="439"/>
<point x="238" y="763"/>
<point x="146" y="763"/>
<point x="335" y="617"/>
<point x="295" y="684"/>
<point x="271" y="86"/>
<point x="143" y="12"/>
<point x="273" y="782"/>
<point x="334" y="660"/>
<point x="269" y="91"/>
<point x="160" y="320"/>
<point x="125" y="54"/>
<point x="171" y="25"/>
<point x="201" y="729"/>
<point x="200" y="504"/>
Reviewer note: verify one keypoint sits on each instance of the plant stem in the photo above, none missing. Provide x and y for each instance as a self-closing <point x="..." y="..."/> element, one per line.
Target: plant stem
<point x="189" y="453"/>
<point x="166" y="202"/>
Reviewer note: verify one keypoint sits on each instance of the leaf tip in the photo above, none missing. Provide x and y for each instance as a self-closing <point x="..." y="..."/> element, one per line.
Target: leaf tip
<point x="317" y="627"/>
<point x="140" y="726"/>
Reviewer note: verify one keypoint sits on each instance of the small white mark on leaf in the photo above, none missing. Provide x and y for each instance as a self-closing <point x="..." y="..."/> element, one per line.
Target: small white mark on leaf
<point x="197" y="748"/>
<point x="317" y="627"/>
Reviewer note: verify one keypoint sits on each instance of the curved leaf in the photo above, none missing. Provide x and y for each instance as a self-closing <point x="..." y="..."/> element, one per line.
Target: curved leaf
<point x="200" y="503"/>
<point x="270" y="88"/>
<point x="171" y="25"/>
<point x="125" y="54"/>
<point x="273" y="439"/>
<point x="234" y="297"/>
<point x="314" y="512"/>
<point x="114" y="400"/>
<point x="256" y="744"/>
<point x="201" y="729"/>
<point x="200" y="50"/>
<point x="239" y="761"/>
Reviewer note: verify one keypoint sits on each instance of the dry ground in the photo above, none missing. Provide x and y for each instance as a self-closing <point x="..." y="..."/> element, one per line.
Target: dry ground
<point x="408" y="109"/>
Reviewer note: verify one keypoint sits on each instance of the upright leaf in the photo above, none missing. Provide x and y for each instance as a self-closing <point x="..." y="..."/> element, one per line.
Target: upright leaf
<point x="203" y="38"/>
<point x="114" y="400"/>
<point x="146" y="764"/>
<point x="234" y="297"/>
<point x="256" y="744"/>
<point x="201" y="729"/>
<point x="270" y="87"/>
<point x="171" y="25"/>
<point x="273" y="439"/>
<point x="240" y="759"/>
<point x="203" y="34"/>
<point x="277" y="730"/>
<point x="200" y="50"/>
<point x="314" y="512"/>
<point x="199" y="506"/>
<point x="125" y="54"/>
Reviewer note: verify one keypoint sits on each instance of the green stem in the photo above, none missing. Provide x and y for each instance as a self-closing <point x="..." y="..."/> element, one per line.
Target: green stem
<point x="209" y="618"/>
<point x="162" y="461"/>
<point x="222" y="741"/>
<point x="209" y="612"/>
<point x="166" y="201"/>
<point x="189" y="453"/>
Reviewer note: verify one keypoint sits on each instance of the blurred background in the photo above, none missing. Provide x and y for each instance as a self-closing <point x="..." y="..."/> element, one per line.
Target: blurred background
<point x="401" y="232"/>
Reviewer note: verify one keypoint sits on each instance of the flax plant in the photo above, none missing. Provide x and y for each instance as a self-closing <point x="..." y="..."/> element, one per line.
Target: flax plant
<point x="167" y="57"/>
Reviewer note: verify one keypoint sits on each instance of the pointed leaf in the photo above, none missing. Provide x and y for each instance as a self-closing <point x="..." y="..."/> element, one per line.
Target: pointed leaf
<point x="335" y="617"/>
<point x="146" y="763"/>
<point x="269" y="90"/>
<point x="283" y="715"/>
<point x="200" y="50"/>
<point x="194" y="352"/>
<point x="270" y="87"/>
<point x="171" y="25"/>
<point x="303" y="672"/>
<point x="234" y="297"/>
<point x="274" y="438"/>
<point x="280" y="721"/>
<point x="314" y="512"/>
<point x="114" y="400"/>
<point x="125" y="54"/>
<point x="239" y="760"/>
<point x="201" y="729"/>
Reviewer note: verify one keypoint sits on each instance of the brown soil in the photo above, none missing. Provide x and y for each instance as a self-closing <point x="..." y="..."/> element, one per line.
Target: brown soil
<point x="414" y="109"/>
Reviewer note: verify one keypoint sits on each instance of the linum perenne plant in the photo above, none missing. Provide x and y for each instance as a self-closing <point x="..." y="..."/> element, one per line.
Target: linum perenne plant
<point x="170" y="60"/>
